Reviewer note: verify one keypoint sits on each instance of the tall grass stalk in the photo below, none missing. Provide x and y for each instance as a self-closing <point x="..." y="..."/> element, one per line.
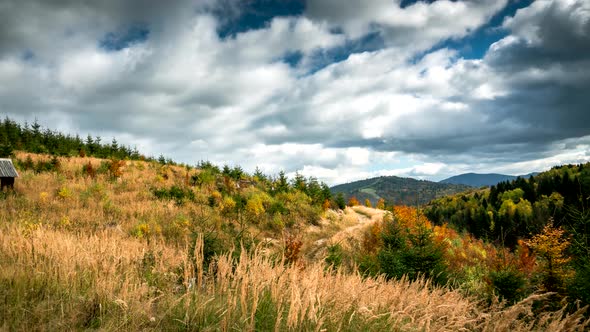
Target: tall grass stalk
<point x="50" y="280"/>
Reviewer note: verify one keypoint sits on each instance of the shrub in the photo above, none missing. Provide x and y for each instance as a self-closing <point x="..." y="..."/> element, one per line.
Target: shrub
<point x="580" y="285"/>
<point x="277" y="207"/>
<point x="414" y="254"/>
<point x="116" y="168"/>
<point x="292" y="248"/>
<point x="89" y="170"/>
<point x="353" y="201"/>
<point x="103" y="168"/>
<point x="27" y="164"/>
<point x="508" y="284"/>
<point x="212" y="246"/>
<point x="64" y="193"/>
<point x="334" y="257"/>
<point x="340" y="202"/>
<point x="178" y="194"/>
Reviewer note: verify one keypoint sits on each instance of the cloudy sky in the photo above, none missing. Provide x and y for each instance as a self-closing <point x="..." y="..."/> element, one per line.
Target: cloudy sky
<point x="336" y="89"/>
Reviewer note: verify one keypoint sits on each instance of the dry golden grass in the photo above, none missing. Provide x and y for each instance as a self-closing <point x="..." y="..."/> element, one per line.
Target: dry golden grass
<point x="53" y="280"/>
<point x="347" y="230"/>
<point x="106" y="254"/>
<point x="71" y="200"/>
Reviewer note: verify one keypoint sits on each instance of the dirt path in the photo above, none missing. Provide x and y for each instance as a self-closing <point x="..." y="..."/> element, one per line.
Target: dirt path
<point x="347" y="231"/>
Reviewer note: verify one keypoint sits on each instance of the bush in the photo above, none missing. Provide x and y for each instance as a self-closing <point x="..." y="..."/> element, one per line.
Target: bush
<point x="89" y="170"/>
<point x="178" y="194"/>
<point x="292" y="249"/>
<point x="277" y="207"/>
<point x="508" y="284"/>
<point x="40" y="166"/>
<point x="334" y="257"/>
<point x="414" y="254"/>
<point x="64" y="193"/>
<point x="580" y="285"/>
<point x="212" y="246"/>
<point x="115" y="168"/>
<point x="340" y="202"/>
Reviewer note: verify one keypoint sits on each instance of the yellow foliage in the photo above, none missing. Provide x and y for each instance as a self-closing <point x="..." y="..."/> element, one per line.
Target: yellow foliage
<point x="64" y="193"/>
<point x="326" y="205"/>
<point x="65" y="221"/>
<point x="142" y="230"/>
<point x="551" y="245"/>
<point x="116" y="168"/>
<point x="507" y="208"/>
<point x="228" y="204"/>
<point x="255" y="206"/>
<point x="216" y="197"/>
<point x="410" y="217"/>
<point x="380" y="204"/>
<point x="353" y="201"/>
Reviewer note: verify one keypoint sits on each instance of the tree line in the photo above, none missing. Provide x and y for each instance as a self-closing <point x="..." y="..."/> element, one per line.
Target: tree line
<point x="35" y="138"/>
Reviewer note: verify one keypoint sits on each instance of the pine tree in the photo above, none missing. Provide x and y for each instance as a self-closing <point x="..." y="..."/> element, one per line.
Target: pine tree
<point x="340" y="202"/>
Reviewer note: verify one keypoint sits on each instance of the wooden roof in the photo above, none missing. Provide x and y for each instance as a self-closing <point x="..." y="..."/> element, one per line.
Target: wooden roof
<point x="7" y="169"/>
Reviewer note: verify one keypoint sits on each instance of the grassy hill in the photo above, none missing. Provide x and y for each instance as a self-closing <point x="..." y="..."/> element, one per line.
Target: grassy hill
<point x="88" y="243"/>
<point x="397" y="191"/>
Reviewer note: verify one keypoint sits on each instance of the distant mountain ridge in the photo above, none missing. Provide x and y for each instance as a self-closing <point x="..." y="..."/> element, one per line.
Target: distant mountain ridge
<point x="397" y="190"/>
<point x="483" y="180"/>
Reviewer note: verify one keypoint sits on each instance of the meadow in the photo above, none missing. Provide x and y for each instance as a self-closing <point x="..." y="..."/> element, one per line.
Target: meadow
<point x="82" y="249"/>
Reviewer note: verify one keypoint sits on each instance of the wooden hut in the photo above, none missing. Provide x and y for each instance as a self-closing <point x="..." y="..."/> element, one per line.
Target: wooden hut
<point x="7" y="173"/>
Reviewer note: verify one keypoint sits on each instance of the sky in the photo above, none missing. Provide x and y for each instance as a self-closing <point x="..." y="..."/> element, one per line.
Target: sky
<point x="336" y="89"/>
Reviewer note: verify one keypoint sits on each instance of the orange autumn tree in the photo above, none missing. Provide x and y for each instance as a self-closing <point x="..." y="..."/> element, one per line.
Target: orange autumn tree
<point x="326" y="205"/>
<point x="550" y="246"/>
<point x="380" y="204"/>
<point x="368" y="203"/>
<point x="353" y="201"/>
<point x="116" y="168"/>
<point x="410" y="217"/>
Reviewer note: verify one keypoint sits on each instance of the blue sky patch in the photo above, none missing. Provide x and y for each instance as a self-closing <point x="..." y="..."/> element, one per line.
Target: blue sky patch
<point x="116" y="41"/>
<point x="406" y="3"/>
<point x="476" y="44"/>
<point x="368" y="43"/>
<point x="257" y="14"/>
<point x="293" y="58"/>
<point x="28" y="56"/>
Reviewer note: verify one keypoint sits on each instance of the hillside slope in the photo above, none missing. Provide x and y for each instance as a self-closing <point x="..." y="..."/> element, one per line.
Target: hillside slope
<point x="510" y="212"/>
<point x="397" y="190"/>
<point x="115" y="245"/>
<point x="482" y="180"/>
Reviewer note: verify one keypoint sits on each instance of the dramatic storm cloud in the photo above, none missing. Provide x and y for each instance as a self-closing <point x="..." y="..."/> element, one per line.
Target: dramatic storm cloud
<point x="340" y="90"/>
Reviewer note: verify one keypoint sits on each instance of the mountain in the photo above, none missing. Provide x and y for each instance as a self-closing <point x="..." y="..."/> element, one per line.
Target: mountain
<point x="396" y="190"/>
<point x="483" y="180"/>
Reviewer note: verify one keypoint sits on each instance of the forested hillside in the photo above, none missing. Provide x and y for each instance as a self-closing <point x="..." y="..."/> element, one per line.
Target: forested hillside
<point x="482" y="180"/>
<point x="520" y="209"/>
<point x="397" y="191"/>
